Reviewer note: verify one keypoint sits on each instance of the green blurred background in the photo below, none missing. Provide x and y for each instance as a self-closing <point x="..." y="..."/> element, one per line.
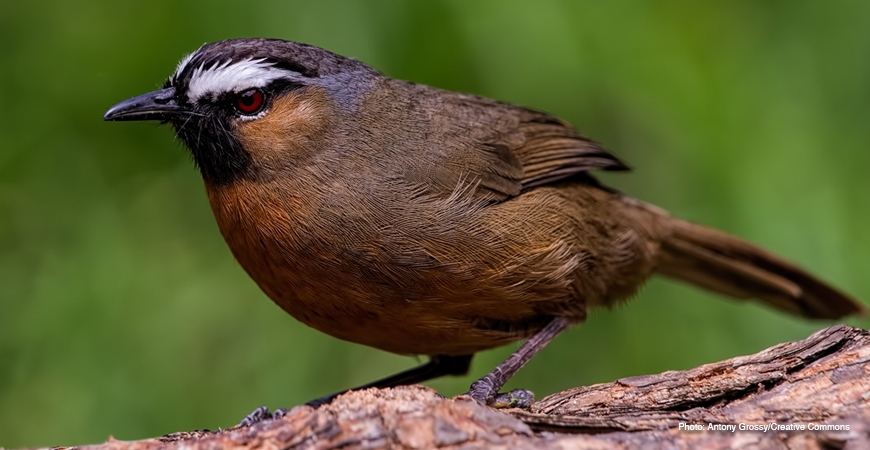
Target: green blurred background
<point x="123" y="313"/>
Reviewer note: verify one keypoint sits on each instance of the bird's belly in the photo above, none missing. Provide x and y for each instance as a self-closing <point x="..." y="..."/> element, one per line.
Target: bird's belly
<point x="341" y="298"/>
<point x="411" y="329"/>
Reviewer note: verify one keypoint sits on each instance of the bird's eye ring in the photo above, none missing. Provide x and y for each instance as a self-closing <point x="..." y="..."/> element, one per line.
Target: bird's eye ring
<point x="250" y="102"/>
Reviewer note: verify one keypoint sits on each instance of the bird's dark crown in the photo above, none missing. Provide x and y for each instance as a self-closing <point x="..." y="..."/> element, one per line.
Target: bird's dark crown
<point x="306" y="60"/>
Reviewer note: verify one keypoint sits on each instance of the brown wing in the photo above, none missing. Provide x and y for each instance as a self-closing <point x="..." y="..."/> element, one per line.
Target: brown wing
<point x="503" y="149"/>
<point x="553" y="151"/>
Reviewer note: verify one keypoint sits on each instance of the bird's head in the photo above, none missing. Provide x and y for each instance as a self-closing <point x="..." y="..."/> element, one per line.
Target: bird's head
<point x="242" y="105"/>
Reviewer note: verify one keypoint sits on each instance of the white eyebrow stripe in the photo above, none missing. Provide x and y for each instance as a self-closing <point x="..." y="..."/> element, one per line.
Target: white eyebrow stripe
<point x="182" y="64"/>
<point x="232" y="77"/>
<point x="184" y="61"/>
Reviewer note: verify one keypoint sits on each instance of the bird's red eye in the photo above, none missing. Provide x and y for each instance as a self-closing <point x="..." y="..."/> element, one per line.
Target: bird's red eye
<point x="250" y="101"/>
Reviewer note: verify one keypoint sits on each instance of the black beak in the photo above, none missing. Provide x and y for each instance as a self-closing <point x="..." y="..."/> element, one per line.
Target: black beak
<point x="157" y="105"/>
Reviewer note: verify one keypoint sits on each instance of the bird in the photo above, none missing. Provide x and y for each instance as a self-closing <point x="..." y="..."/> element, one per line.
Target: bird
<point x="422" y="221"/>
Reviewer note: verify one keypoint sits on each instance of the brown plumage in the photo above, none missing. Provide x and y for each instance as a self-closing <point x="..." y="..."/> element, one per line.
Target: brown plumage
<point x="422" y="221"/>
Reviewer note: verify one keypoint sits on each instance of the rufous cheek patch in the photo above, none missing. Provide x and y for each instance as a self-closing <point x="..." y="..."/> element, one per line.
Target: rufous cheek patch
<point x="292" y="123"/>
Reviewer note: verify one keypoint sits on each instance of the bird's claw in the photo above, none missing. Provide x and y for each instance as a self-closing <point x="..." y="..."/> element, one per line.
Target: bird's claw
<point x="517" y="398"/>
<point x="484" y="391"/>
<point x="260" y="414"/>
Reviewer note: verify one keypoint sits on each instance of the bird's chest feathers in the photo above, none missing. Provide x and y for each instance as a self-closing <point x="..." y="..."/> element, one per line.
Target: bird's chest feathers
<point x="294" y="252"/>
<point x="268" y="232"/>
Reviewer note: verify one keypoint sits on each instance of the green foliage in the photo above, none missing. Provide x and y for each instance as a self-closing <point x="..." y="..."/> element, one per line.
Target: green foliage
<point x="123" y="313"/>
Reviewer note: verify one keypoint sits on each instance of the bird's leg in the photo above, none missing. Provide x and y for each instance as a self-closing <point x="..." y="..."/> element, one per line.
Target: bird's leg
<point x="485" y="390"/>
<point x="438" y="366"/>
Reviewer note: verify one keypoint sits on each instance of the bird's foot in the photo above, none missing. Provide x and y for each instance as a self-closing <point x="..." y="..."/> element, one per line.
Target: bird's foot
<point x="260" y="414"/>
<point x="517" y="398"/>
<point x="486" y="392"/>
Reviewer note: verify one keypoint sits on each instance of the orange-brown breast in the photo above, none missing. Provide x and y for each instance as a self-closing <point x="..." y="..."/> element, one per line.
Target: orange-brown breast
<point x="314" y="276"/>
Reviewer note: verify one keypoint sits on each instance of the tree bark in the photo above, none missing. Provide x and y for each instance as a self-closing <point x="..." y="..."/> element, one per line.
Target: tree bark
<point x="819" y="386"/>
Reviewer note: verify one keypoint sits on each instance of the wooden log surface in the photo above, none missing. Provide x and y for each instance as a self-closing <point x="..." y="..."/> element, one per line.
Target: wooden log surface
<point x="819" y="387"/>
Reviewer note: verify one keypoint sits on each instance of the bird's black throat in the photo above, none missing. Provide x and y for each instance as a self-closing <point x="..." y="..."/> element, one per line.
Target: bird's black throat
<point x="215" y="150"/>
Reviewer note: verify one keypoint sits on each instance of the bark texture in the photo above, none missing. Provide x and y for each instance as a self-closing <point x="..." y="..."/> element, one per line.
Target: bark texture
<point x="823" y="380"/>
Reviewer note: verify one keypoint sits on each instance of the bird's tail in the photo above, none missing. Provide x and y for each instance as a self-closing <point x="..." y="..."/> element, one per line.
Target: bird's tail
<point x="726" y="264"/>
